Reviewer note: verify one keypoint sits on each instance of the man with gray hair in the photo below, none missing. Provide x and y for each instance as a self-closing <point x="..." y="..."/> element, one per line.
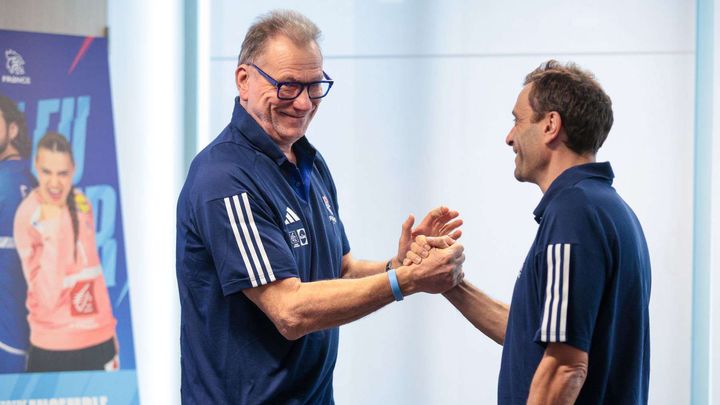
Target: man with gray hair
<point x="264" y="267"/>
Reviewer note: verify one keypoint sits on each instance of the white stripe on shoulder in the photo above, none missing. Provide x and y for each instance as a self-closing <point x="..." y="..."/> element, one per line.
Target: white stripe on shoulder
<point x="243" y="253"/>
<point x="548" y="295"/>
<point x="565" y="293"/>
<point x="556" y="296"/>
<point x="261" y="248"/>
<point x="248" y="240"/>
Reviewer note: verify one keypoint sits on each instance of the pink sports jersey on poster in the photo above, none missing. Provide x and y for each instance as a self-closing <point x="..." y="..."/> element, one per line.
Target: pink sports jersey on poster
<point x="67" y="299"/>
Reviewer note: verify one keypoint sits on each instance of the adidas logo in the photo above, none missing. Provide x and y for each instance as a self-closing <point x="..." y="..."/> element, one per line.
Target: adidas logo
<point x="290" y="216"/>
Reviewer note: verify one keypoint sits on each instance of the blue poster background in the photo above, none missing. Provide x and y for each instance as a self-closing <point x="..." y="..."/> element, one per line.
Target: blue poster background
<point x="65" y="87"/>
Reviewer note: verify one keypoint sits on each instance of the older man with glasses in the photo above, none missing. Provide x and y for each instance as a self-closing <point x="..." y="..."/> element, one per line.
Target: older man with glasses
<point x="264" y="266"/>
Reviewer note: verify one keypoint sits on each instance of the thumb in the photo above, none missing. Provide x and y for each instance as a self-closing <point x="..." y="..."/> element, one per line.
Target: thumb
<point x="406" y="233"/>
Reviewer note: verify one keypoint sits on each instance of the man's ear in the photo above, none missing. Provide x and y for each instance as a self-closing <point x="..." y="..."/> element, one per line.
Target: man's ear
<point x="241" y="81"/>
<point x="552" y="126"/>
<point x="13" y="130"/>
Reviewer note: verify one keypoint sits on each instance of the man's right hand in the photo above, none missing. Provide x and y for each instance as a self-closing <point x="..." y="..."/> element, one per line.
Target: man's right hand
<point x="440" y="268"/>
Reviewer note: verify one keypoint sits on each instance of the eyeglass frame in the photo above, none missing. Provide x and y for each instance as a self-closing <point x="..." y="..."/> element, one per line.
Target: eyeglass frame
<point x="304" y="86"/>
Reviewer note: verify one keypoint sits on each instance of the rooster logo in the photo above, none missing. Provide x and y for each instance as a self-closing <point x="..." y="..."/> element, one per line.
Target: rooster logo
<point x="14" y="62"/>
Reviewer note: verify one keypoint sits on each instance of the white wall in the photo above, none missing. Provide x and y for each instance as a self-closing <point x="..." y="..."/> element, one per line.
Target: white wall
<point x="715" y="223"/>
<point x="146" y="77"/>
<point x="417" y="118"/>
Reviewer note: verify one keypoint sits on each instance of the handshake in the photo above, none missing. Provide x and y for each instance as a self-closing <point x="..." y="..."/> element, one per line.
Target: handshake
<point x="432" y="265"/>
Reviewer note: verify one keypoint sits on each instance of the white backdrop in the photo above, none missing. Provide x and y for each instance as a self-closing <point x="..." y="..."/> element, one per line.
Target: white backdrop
<point x="418" y="117"/>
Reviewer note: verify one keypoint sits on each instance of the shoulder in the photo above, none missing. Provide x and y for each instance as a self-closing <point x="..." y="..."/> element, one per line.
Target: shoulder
<point x="14" y="173"/>
<point x="571" y="201"/>
<point x="28" y="207"/>
<point x="220" y="170"/>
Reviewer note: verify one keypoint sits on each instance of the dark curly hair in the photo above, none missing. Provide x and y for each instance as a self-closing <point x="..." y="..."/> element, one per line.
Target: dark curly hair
<point x="12" y="114"/>
<point x="585" y="109"/>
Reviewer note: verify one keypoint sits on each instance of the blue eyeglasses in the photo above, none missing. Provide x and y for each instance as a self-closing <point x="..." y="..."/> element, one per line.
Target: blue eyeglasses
<point x="291" y="90"/>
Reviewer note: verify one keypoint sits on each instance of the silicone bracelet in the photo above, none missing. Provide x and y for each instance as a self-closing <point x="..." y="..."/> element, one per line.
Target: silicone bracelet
<point x="394" y="285"/>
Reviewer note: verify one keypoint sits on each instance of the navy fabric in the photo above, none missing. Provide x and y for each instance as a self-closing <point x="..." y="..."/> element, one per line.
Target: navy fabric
<point x="586" y="283"/>
<point x="246" y="217"/>
<point x="15" y="182"/>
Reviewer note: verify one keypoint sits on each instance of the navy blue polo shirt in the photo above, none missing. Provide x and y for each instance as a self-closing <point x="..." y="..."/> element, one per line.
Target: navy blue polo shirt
<point x="247" y="217"/>
<point x="15" y="183"/>
<point x="586" y="283"/>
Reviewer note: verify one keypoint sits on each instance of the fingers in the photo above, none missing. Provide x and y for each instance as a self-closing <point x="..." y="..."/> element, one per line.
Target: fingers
<point x="440" y="242"/>
<point x="456" y="234"/>
<point x="451" y="226"/>
<point x="413" y="257"/>
<point x="407" y="225"/>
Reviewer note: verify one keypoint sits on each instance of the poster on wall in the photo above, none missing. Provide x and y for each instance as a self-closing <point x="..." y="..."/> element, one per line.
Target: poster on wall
<point x="65" y="328"/>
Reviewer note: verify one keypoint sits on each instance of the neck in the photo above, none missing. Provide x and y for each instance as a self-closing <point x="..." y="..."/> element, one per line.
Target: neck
<point x="559" y="164"/>
<point x="289" y="154"/>
<point x="9" y="154"/>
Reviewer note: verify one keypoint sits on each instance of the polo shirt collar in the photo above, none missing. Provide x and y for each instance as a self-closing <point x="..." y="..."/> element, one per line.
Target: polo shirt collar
<point x="260" y="140"/>
<point x="570" y="177"/>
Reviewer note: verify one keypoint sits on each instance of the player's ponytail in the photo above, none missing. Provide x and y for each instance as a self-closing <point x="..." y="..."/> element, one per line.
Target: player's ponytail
<point x="55" y="142"/>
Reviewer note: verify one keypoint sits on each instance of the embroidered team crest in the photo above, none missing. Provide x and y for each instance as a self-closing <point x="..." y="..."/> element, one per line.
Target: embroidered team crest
<point x="327" y="205"/>
<point x="82" y="299"/>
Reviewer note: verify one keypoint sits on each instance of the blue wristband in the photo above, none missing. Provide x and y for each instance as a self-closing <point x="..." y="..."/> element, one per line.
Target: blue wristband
<point x="394" y="285"/>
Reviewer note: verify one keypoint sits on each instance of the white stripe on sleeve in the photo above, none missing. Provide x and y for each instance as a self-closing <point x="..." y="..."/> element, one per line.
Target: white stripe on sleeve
<point x="261" y="248"/>
<point x="556" y="295"/>
<point x="234" y="227"/>
<point x="248" y="239"/>
<point x="566" y="292"/>
<point x="548" y="295"/>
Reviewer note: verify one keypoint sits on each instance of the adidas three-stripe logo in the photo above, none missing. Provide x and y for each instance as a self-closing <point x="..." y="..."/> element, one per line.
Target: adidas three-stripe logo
<point x="554" y="323"/>
<point x="290" y="216"/>
<point x="248" y="239"/>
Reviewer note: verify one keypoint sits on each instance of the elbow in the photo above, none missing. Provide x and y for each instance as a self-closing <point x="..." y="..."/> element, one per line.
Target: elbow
<point x="290" y="325"/>
<point x="581" y="373"/>
<point x="575" y="374"/>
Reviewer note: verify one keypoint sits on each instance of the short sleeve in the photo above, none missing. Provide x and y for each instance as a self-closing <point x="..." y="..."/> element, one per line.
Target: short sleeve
<point x="573" y="267"/>
<point x="247" y="246"/>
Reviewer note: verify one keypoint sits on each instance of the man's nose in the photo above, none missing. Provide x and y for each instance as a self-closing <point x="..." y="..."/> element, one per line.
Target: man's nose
<point x="303" y="101"/>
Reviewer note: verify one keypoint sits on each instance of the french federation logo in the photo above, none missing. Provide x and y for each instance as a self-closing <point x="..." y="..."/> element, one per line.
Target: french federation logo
<point x="327" y="205"/>
<point x="14" y="62"/>
<point x="15" y="65"/>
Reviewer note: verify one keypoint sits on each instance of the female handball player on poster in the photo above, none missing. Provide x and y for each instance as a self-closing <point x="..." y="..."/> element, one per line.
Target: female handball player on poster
<point x="71" y="322"/>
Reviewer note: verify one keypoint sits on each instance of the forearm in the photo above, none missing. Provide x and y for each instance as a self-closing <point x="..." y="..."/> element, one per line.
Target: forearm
<point x="363" y="268"/>
<point x="556" y="383"/>
<point x="309" y="307"/>
<point x="353" y="268"/>
<point x="485" y="313"/>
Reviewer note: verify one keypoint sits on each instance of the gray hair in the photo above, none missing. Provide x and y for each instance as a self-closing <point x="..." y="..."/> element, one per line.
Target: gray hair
<point x="289" y="23"/>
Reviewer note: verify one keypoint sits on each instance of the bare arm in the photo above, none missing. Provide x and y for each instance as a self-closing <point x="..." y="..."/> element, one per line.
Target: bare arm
<point x="559" y="376"/>
<point x="354" y="268"/>
<point x="488" y="315"/>
<point x="298" y="308"/>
